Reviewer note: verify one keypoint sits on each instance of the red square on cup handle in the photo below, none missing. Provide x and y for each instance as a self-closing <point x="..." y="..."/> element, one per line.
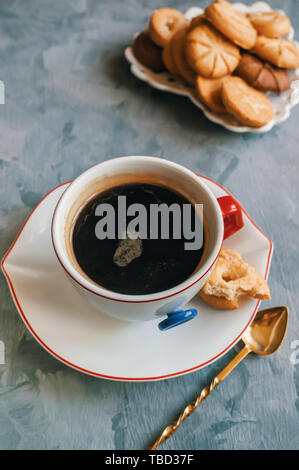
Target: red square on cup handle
<point x="232" y="215"/>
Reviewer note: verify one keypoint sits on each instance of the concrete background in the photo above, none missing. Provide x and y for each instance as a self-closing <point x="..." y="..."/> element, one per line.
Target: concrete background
<point x="71" y="102"/>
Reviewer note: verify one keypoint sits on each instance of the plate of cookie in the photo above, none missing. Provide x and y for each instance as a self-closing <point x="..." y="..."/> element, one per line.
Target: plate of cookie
<point x="239" y="64"/>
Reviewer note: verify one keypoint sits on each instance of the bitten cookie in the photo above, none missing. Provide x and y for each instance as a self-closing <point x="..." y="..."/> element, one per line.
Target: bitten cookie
<point x="209" y="53"/>
<point x="232" y="278"/>
<point x="164" y="23"/>
<point x="270" y="23"/>
<point x="209" y="91"/>
<point x="178" y="53"/>
<point x="251" y="107"/>
<point x="147" y="52"/>
<point x="262" y="75"/>
<point x="280" y="52"/>
<point x="231" y="23"/>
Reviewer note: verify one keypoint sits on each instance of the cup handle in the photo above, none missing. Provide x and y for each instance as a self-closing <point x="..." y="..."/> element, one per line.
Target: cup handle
<point x="233" y="221"/>
<point x="232" y="215"/>
<point x="177" y="318"/>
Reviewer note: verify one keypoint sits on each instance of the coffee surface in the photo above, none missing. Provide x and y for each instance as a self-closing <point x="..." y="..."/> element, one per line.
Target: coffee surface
<point x="133" y="267"/>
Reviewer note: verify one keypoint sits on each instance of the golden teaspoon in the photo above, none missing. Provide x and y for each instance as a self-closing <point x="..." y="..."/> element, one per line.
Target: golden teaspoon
<point x="264" y="336"/>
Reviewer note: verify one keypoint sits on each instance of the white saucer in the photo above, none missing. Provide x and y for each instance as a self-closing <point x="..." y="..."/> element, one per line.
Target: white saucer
<point x="282" y="104"/>
<point x="91" y="342"/>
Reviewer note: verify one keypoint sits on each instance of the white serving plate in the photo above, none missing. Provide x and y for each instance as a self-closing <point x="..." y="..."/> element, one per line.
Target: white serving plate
<point x="282" y="104"/>
<point x="96" y="344"/>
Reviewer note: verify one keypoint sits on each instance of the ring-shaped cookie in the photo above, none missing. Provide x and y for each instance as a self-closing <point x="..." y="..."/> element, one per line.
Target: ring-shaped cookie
<point x="164" y="23"/>
<point x="232" y="278"/>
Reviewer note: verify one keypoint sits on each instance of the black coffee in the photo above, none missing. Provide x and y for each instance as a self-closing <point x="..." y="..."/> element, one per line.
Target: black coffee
<point x="134" y="267"/>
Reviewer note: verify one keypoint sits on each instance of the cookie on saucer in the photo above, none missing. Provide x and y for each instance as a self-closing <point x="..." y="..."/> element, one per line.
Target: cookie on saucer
<point x="232" y="278"/>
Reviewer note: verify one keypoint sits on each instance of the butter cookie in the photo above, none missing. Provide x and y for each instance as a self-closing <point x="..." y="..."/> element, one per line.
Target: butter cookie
<point x="263" y="76"/>
<point x="147" y="52"/>
<point x="249" y="106"/>
<point x="209" y="53"/>
<point x="270" y="23"/>
<point x="178" y="53"/>
<point x="209" y="91"/>
<point x="278" y="51"/>
<point x="233" y="24"/>
<point x="164" y="23"/>
<point x="232" y="278"/>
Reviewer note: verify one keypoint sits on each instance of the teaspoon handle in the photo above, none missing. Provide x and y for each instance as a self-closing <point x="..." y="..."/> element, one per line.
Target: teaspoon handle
<point x="171" y="428"/>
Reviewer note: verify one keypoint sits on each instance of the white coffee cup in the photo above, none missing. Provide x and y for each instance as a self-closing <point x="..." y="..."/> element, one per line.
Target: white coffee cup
<point x="223" y="217"/>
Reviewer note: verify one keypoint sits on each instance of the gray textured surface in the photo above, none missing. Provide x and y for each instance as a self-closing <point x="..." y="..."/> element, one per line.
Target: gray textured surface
<point x="71" y="102"/>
